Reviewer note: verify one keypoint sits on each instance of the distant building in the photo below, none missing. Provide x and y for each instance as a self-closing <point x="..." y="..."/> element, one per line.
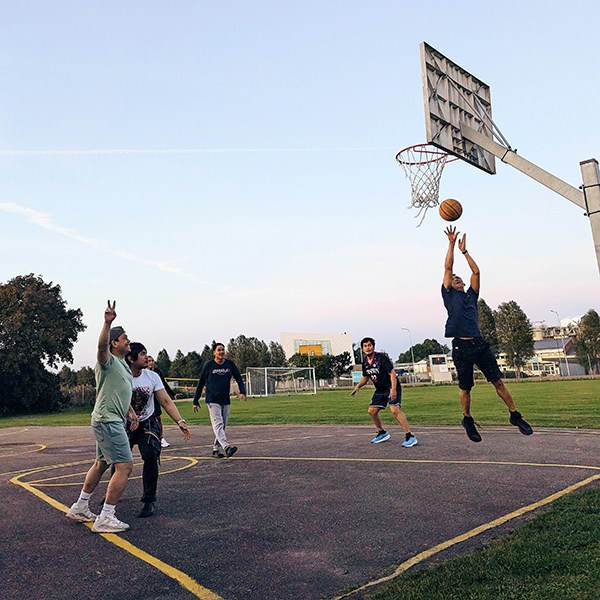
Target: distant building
<point x="316" y="344"/>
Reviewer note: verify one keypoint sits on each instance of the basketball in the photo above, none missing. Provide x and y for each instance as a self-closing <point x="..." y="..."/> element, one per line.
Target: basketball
<point x="450" y="209"/>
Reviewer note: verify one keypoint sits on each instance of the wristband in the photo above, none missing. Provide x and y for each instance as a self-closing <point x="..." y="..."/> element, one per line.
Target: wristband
<point x="465" y="251"/>
<point x="181" y="421"/>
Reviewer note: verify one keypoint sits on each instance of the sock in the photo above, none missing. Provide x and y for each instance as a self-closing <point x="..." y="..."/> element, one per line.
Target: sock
<point x="408" y="436"/>
<point x="108" y="509"/>
<point x="83" y="499"/>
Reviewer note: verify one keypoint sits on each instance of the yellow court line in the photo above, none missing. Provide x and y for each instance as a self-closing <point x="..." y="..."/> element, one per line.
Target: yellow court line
<point x="41" y="482"/>
<point x="39" y="448"/>
<point x="407" y="460"/>
<point x="13" y="432"/>
<point x="411" y="562"/>
<point x="182" y="578"/>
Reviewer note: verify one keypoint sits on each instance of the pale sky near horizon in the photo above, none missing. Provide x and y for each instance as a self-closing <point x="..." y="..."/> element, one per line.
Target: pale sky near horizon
<point x="229" y="168"/>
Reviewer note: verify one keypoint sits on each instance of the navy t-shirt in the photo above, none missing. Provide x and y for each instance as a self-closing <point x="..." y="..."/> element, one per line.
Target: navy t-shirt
<point x="379" y="371"/>
<point x="463" y="316"/>
<point x="217" y="378"/>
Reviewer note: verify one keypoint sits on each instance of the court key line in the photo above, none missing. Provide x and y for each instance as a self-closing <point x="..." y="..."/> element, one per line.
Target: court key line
<point x="411" y="562"/>
<point x="182" y="578"/>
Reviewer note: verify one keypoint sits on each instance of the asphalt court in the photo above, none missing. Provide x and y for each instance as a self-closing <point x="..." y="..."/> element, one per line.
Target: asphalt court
<point x="300" y="512"/>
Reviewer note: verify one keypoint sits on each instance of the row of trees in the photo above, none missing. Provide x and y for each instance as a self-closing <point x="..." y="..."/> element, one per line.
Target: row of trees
<point x="327" y="366"/>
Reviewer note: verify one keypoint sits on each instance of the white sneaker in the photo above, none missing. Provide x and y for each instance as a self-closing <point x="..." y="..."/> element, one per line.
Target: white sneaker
<point x="83" y="515"/>
<point x="106" y="523"/>
<point x="164" y="443"/>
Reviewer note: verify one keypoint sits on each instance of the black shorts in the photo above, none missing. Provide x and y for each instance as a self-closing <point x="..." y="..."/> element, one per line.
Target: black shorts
<point x="382" y="399"/>
<point x="469" y="353"/>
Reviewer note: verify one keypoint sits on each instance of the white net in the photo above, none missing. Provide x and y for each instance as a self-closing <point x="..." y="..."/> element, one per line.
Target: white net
<point x="423" y="165"/>
<point x="267" y="381"/>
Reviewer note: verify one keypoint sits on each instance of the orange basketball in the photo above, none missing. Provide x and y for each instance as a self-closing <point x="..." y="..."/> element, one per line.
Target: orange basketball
<point x="450" y="209"/>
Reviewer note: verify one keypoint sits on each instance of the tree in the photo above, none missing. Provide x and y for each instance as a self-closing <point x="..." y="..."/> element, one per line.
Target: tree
<point x="67" y="376"/>
<point x="36" y="331"/>
<point x="163" y="362"/>
<point x="207" y="353"/>
<point x="487" y="325"/>
<point x="587" y="341"/>
<point x="515" y="334"/>
<point x="86" y="376"/>
<point x="248" y="352"/>
<point x="423" y="350"/>
<point x="326" y="366"/>
<point x="342" y="363"/>
<point x="178" y="365"/>
<point x="276" y="355"/>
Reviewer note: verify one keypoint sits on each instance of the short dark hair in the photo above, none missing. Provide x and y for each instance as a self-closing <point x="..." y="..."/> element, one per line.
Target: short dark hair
<point x="134" y="351"/>
<point x="215" y="344"/>
<point x="367" y="339"/>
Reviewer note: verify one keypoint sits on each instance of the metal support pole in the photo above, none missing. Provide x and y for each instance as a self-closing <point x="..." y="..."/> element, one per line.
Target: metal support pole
<point x="412" y="354"/>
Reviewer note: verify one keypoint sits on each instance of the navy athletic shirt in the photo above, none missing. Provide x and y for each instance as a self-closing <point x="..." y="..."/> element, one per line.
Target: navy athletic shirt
<point x="463" y="317"/>
<point x="379" y="371"/>
<point x="217" y="378"/>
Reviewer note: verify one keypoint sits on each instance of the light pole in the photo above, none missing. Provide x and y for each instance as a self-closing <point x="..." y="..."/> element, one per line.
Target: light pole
<point x="562" y="339"/>
<point x="411" y="352"/>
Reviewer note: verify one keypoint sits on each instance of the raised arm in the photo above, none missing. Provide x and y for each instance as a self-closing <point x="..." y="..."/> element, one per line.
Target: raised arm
<point x="452" y="235"/>
<point x="104" y="340"/>
<point x="475" y="279"/>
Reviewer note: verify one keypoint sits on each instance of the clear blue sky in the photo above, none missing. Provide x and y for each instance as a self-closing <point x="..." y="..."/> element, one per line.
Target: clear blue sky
<point x="228" y="168"/>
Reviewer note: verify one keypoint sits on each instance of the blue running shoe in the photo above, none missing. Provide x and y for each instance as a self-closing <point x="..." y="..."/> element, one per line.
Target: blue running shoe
<point x="382" y="436"/>
<point x="410" y="442"/>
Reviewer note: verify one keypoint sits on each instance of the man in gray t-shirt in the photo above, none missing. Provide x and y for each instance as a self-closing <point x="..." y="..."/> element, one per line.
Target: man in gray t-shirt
<point x="111" y="411"/>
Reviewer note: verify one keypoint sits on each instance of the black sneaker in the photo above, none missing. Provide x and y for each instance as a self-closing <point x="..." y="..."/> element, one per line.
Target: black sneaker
<point x="517" y="420"/>
<point x="230" y="451"/>
<point x="217" y="454"/>
<point x="469" y="424"/>
<point x="147" y="510"/>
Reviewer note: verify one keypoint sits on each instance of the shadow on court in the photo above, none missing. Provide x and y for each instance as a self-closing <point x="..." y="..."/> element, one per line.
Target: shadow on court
<point x="300" y="512"/>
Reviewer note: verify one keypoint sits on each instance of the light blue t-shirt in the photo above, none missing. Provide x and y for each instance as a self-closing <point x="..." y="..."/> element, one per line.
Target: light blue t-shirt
<point x="113" y="391"/>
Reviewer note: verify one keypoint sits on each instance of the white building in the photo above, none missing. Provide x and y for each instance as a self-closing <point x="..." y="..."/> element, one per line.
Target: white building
<point x="316" y="344"/>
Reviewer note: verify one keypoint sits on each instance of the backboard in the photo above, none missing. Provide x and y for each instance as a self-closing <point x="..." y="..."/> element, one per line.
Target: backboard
<point x="455" y="98"/>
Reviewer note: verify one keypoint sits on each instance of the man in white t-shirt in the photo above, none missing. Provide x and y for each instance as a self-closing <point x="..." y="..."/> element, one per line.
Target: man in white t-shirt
<point x="146" y="387"/>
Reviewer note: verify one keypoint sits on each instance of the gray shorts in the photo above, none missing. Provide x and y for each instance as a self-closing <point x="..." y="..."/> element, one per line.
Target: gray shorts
<point x="112" y="443"/>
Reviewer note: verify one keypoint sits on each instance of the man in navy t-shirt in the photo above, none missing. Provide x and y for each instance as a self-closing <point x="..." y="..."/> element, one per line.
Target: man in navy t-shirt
<point x="216" y="375"/>
<point x="468" y="347"/>
<point x="378" y="368"/>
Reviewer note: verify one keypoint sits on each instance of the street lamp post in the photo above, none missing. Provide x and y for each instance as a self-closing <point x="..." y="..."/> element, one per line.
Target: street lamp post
<point x="562" y="339"/>
<point x="411" y="352"/>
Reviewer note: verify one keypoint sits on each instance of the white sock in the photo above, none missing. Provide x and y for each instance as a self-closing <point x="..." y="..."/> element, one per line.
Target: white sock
<point x="108" y="509"/>
<point x="83" y="499"/>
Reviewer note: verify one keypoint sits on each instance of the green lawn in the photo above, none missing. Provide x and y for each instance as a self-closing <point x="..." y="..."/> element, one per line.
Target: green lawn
<point x="555" y="556"/>
<point x="573" y="403"/>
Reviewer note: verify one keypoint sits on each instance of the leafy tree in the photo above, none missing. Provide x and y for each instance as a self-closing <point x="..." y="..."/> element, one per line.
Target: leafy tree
<point x="192" y="365"/>
<point x="276" y="355"/>
<point x="67" y="376"/>
<point x="207" y="353"/>
<point x="36" y="331"/>
<point x="515" y="334"/>
<point x="163" y="362"/>
<point x="248" y="352"/>
<point x="487" y="325"/>
<point x="178" y="365"/>
<point x="342" y="363"/>
<point x="423" y="350"/>
<point x="85" y="376"/>
<point x="587" y="341"/>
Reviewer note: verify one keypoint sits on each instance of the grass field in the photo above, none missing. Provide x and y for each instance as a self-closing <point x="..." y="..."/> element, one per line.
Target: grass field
<point x="562" y="403"/>
<point x="555" y="556"/>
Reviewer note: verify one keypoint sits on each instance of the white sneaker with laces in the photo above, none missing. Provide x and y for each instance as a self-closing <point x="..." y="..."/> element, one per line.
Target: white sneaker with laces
<point x="164" y="443"/>
<point x="106" y="523"/>
<point x="83" y="515"/>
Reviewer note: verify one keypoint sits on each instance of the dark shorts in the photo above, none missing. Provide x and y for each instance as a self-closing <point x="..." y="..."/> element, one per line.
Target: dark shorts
<point x="382" y="399"/>
<point x="467" y="354"/>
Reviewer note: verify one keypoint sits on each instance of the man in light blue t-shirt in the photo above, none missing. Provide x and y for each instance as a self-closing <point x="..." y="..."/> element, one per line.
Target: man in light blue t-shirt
<point x="109" y="417"/>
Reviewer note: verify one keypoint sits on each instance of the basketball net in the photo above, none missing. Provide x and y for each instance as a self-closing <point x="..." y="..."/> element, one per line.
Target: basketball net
<point x="423" y="165"/>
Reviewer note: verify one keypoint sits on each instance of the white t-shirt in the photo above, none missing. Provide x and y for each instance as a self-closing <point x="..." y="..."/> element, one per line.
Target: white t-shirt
<point x="142" y="398"/>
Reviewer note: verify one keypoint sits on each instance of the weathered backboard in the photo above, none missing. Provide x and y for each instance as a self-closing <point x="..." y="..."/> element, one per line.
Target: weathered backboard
<point x="454" y="98"/>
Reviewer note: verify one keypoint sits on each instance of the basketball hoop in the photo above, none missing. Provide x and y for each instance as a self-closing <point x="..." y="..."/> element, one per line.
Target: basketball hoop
<point x="423" y="165"/>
